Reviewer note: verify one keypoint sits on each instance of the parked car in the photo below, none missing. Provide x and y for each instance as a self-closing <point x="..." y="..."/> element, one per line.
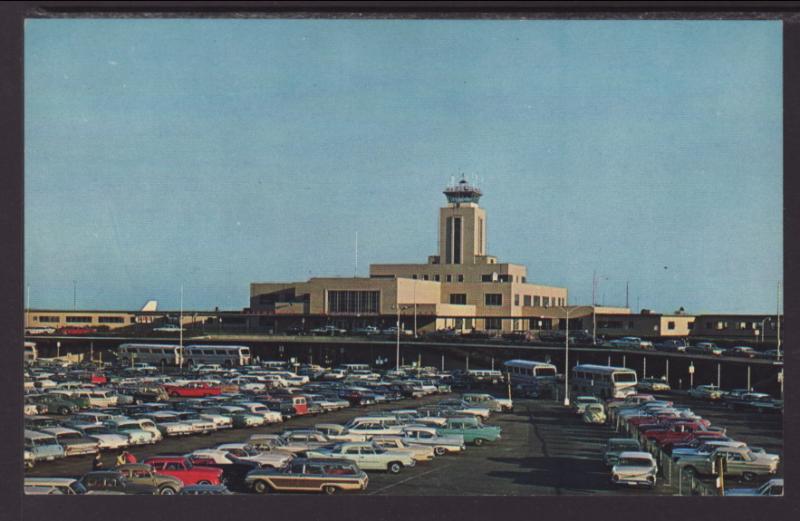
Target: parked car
<point x="42" y="446"/>
<point x="471" y="429"/>
<point x="367" y="331"/>
<point x="205" y="490"/>
<point x="706" y="392"/>
<point x="142" y="474"/>
<point x="326" y="475"/>
<point x="672" y="345"/>
<point x="169" y="328"/>
<point x="74" y="442"/>
<point x="773" y="487"/>
<point x="656" y="385"/>
<point x="106" y="438"/>
<point x="631" y="342"/>
<point x="390" y="443"/>
<point x="182" y="468"/>
<point x="634" y="468"/>
<point x="114" y="481"/>
<point x="709" y="348"/>
<point x="741" y="461"/>
<point x="67" y="486"/>
<point x="493" y="403"/>
<point x="594" y="413"/>
<point x="742" y="351"/>
<point x="366" y="456"/>
<point x="580" y="403"/>
<point x="616" y="446"/>
<point x="338" y="433"/>
<point x="328" y="330"/>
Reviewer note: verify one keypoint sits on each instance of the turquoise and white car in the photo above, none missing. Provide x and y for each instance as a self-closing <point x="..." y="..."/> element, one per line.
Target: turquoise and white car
<point x="471" y="429"/>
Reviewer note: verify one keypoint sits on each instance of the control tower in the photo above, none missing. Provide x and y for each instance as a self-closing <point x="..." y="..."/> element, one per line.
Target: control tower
<point x="462" y="225"/>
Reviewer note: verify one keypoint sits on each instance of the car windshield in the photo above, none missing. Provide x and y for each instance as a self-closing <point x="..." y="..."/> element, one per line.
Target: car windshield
<point x="634" y="462"/>
<point x="624" y="377"/>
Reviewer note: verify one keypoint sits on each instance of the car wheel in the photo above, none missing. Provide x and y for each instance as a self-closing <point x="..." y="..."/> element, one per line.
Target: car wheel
<point x="478" y="442"/>
<point x="691" y="471"/>
<point x="63" y="411"/>
<point x="167" y="491"/>
<point x="748" y="476"/>
<point x="329" y="490"/>
<point x="395" y="467"/>
<point x="260" y="487"/>
<point x="440" y="451"/>
<point x="204" y="482"/>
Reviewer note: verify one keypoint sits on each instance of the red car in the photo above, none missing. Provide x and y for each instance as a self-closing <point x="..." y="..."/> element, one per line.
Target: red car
<point x="677" y="432"/>
<point x="76" y="330"/>
<point x="183" y="469"/>
<point x="193" y="390"/>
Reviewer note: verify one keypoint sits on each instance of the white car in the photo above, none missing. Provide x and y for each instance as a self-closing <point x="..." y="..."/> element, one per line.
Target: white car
<point x="338" y="432"/>
<point x="169" y="328"/>
<point x="106" y="438"/>
<point x="416" y="435"/>
<point x="634" y="469"/>
<point x="367" y="456"/>
<point x="245" y="452"/>
<point x="773" y="487"/>
<point x="582" y="401"/>
<point x="262" y="410"/>
<point x="136" y="434"/>
<point x="706" y="392"/>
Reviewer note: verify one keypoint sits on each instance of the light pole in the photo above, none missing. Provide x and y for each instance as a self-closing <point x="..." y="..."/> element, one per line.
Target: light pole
<point x="415" y="309"/>
<point x="180" y="331"/>
<point x="595" y="284"/>
<point x="567" y="310"/>
<point x="778" y="324"/>
<point x="398" y="307"/>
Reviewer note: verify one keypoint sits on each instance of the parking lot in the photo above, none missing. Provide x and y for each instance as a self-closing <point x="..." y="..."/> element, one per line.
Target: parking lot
<point x="545" y="450"/>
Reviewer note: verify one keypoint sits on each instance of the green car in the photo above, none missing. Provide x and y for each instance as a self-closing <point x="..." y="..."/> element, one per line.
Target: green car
<point x="471" y="429"/>
<point x="56" y="404"/>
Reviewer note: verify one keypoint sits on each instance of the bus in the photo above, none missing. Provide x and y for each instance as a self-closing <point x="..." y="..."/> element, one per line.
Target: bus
<point x="226" y="356"/>
<point x="30" y="353"/>
<point x="157" y="354"/>
<point x="603" y="381"/>
<point x="538" y="377"/>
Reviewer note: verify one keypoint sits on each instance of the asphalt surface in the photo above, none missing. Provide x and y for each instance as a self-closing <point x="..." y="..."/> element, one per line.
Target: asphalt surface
<point x="545" y="450"/>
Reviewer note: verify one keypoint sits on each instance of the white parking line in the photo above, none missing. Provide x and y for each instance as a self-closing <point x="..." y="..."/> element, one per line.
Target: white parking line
<point x="387" y="487"/>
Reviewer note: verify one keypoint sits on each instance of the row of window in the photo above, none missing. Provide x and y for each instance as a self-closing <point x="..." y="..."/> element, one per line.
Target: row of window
<point x="721" y="325"/>
<point x="348" y="301"/>
<point x="81" y="319"/>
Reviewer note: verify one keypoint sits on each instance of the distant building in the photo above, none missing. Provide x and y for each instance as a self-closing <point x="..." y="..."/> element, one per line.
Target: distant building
<point x="462" y="287"/>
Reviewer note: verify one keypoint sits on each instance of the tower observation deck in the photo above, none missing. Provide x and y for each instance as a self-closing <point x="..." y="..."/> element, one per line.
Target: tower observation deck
<point x="463" y="192"/>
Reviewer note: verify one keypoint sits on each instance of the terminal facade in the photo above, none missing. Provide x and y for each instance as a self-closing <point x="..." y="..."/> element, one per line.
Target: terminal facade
<point x="462" y="287"/>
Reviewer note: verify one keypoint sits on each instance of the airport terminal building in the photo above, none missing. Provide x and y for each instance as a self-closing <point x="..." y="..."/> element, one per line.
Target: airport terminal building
<point x="462" y="287"/>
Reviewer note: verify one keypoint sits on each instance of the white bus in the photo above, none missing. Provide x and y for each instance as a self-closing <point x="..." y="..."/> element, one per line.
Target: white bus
<point x="30" y="354"/>
<point x="156" y="354"/>
<point x="537" y="376"/>
<point x="603" y="381"/>
<point x="226" y="356"/>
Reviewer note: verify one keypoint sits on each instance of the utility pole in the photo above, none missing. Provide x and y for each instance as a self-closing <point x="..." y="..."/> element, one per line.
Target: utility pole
<point x="626" y="293"/>
<point x="180" y="331"/>
<point x="74" y="295"/>
<point x="778" y="326"/>
<point x="594" y="313"/>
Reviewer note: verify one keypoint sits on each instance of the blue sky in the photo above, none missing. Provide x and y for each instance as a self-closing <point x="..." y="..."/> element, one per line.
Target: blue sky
<point x="213" y="153"/>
